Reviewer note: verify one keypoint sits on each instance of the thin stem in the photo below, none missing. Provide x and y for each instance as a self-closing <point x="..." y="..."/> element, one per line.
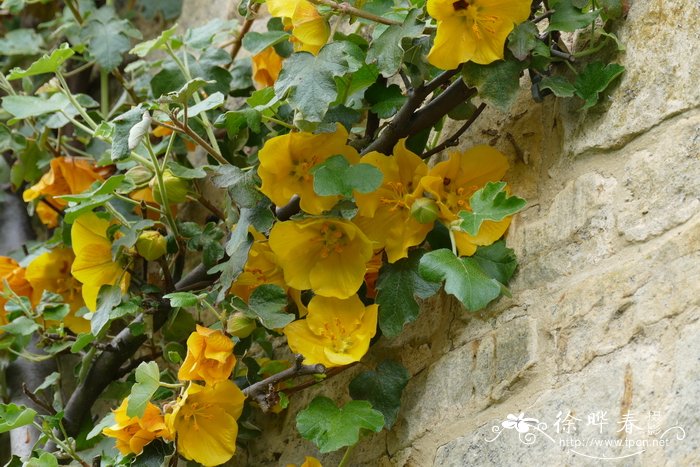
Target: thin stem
<point x="126" y="199"/>
<point x="453" y="241"/>
<point x="63" y="445"/>
<point x="278" y="121"/>
<point x="179" y="126"/>
<point x="218" y="315"/>
<point x="116" y="214"/>
<point x="171" y="385"/>
<point x="82" y="67"/>
<point x="104" y="93"/>
<point x="117" y="74"/>
<point x="454" y="139"/>
<point x="77" y="124"/>
<point x="66" y="89"/>
<point x="74" y="11"/>
<point x="346" y="8"/>
<point x="346" y="457"/>
<point x="238" y="41"/>
<point x="161" y="185"/>
<point x="543" y="16"/>
<point x="210" y="207"/>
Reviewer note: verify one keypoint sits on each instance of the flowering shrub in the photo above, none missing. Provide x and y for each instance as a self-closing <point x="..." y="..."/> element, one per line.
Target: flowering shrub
<point x="218" y="232"/>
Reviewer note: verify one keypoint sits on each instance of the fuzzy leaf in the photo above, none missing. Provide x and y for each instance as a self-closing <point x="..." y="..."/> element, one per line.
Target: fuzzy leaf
<point x="386" y="50"/>
<point x="180" y="299"/>
<point x="122" y="127"/>
<point x="335" y="176"/>
<point x="382" y="388"/>
<point x="331" y="428"/>
<point x="594" y="79"/>
<point x="498" y="83"/>
<point x="567" y="17"/>
<point x="256" y="42"/>
<point x="463" y="278"/>
<point x="497" y="260"/>
<point x="398" y="285"/>
<point x="522" y="40"/>
<point x="490" y="203"/>
<point x="14" y="416"/>
<point x="147" y="383"/>
<point x="560" y="86"/>
<point x="46" y="64"/>
<point x="267" y="303"/>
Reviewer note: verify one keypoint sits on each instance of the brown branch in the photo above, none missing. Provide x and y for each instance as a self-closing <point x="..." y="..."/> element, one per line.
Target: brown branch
<point x="183" y="127"/>
<point x="238" y="41"/>
<point x="264" y="392"/>
<point x="454" y="139"/>
<point x="34" y="398"/>
<point x="118" y="75"/>
<point x="329" y="374"/>
<point x="347" y="9"/>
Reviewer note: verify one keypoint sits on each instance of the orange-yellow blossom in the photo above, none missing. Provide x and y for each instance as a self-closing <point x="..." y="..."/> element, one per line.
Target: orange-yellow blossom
<point x="133" y="433"/>
<point x="385" y="214"/>
<point x="204" y="422"/>
<point x="328" y="256"/>
<point x="455" y="180"/>
<point x="310" y="30"/>
<point x="286" y="162"/>
<point x="266" y="68"/>
<point x="67" y="175"/>
<point x="209" y="357"/>
<point x="51" y="271"/>
<point x="93" y="264"/>
<point x="12" y="273"/>
<point x="335" y="332"/>
<point x="473" y="30"/>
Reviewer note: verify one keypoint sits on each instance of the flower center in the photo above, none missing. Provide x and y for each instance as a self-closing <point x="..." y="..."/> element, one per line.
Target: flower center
<point x="396" y="196"/>
<point x="460" y="5"/>
<point x="338" y="335"/>
<point x="334" y="240"/>
<point x="300" y="170"/>
<point x="191" y="411"/>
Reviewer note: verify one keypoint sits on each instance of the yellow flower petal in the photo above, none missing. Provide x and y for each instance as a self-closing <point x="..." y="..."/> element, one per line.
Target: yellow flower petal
<point x="209" y="357"/>
<point x="266" y="68"/>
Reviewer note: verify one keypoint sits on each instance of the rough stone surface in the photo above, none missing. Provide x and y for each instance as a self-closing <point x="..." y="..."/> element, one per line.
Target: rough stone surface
<point x="605" y="307"/>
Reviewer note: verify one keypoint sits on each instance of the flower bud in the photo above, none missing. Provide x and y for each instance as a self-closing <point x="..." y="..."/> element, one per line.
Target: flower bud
<point x="139" y="176"/>
<point x="175" y="187"/>
<point x="240" y="326"/>
<point x="425" y="210"/>
<point x="151" y="245"/>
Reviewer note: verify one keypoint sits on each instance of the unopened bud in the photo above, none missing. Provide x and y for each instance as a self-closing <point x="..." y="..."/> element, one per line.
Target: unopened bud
<point x="151" y="245"/>
<point x="425" y="210"/>
<point x="240" y="326"/>
<point x="139" y="176"/>
<point x="176" y="188"/>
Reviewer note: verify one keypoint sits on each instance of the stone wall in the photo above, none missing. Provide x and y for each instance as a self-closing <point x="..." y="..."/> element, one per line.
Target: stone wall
<point x="605" y="306"/>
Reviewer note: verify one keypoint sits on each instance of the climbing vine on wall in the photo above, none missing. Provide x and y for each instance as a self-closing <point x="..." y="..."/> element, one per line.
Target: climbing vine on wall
<point x="226" y="217"/>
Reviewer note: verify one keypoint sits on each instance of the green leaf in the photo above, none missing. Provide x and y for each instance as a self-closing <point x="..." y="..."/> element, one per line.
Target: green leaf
<point x="107" y="37"/>
<point x="612" y="9"/>
<point x="46" y="459"/>
<point x="21" y="42"/>
<point x="385" y="100"/>
<point x="180" y="299"/>
<point x="497" y="260"/>
<point x="236" y="120"/>
<point x="382" y="388"/>
<point x="108" y="298"/>
<point x="386" y="50"/>
<point x="46" y="64"/>
<point x="267" y="303"/>
<point x="490" y="203"/>
<point x="308" y="83"/>
<point x="21" y="326"/>
<point x="122" y="126"/>
<point x="237" y="248"/>
<point x="463" y="278"/>
<point x="594" y="79"/>
<point x="569" y="18"/>
<point x="147" y="383"/>
<point x="256" y="42"/>
<point x="331" y="428"/>
<point x="106" y="187"/>
<point x="398" y="285"/>
<point x="14" y="416"/>
<point x="185" y="93"/>
<point x="49" y="381"/>
<point x="242" y="185"/>
<point x="159" y="43"/>
<point x="498" y="83"/>
<point x="560" y="86"/>
<point x="351" y="87"/>
<point x="82" y="341"/>
<point x="187" y="173"/>
<point x="107" y="421"/>
<point x="213" y="101"/>
<point x="22" y="107"/>
<point x="202" y="37"/>
<point x="522" y="40"/>
<point x="335" y="176"/>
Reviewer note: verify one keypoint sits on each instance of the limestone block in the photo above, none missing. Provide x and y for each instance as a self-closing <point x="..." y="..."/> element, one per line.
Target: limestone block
<point x="660" y="180"/>
<point x="660" y="80"/>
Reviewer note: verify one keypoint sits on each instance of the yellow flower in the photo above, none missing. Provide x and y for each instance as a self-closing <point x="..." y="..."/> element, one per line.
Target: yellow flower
<point x="308" y="462"/>
<point x="266" y="68"/>
<point x="12" y="273"/>
<point x="133" y="433"/>
<point x="310" y="30"/>
<point x="473" y="30"/>
<point x="286" y="161"/>
<point x="455" y="180"/>
<point x="209" y="357"/>
<point x="67" y="175"/>
<point x="335" y="332"/>
<point x="385" y="214"/>
<point x="51" y="271"/>
<point x="204" y="420"/>
<point x="93" y="265"/>
<point x="328" y="256"/>
<point x="261" y="268"/>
